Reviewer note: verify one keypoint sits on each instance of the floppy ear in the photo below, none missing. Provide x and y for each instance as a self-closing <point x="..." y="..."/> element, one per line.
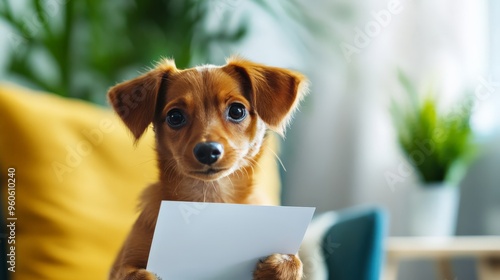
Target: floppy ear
<point x="139" y="100"/>
<point x="273" y="92"/>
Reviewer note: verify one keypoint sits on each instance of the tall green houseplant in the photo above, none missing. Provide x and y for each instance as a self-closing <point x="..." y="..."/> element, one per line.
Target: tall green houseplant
<point x="440" y="146"/>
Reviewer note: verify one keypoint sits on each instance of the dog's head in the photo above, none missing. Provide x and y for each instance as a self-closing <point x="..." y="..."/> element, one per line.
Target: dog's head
<point x="209" y="120"/>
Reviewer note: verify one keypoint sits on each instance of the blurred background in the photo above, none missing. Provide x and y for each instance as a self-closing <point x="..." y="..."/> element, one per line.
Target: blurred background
<point x="346" y="145"/>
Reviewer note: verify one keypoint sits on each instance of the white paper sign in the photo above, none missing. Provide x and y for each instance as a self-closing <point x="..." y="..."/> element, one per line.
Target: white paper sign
<point x="219" y="241"/>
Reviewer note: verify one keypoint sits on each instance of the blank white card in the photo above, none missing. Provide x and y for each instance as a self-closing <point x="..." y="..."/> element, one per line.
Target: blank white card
<point x="219" y="241"/>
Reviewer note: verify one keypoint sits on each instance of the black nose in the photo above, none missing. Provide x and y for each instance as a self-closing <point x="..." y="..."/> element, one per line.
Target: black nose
<point x="208" y="152"/>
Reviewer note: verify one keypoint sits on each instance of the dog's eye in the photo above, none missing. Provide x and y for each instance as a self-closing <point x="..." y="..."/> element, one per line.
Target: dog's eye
<point x="236" y="112"/>
<point x="175" y="118"/>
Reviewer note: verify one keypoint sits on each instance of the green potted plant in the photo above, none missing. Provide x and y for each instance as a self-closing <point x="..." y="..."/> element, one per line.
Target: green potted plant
<point x="440" y="147"/>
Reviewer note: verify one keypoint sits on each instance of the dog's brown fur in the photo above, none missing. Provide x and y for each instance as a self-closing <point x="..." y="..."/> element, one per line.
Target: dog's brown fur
<point x="203" y="95"/>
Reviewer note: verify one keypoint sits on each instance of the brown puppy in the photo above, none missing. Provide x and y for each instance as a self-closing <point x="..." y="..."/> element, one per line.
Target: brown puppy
<point x="210" y="124"/>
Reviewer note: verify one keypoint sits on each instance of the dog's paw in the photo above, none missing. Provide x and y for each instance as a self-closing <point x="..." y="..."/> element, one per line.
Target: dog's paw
<point x="142" y="274"/>
<point x="279" y="267"/>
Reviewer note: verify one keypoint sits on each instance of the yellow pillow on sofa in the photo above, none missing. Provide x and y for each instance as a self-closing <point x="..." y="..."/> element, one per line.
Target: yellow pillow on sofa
<point x="78" y="179"/>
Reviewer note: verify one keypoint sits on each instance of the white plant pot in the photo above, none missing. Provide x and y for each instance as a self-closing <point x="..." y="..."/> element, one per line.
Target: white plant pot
<point x="434" y="210"/>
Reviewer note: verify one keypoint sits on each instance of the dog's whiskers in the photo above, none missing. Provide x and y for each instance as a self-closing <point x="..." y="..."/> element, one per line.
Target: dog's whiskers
<point x="238" y="172"/>
<point x="170" y="168"/>
<point x="277" y="157"/>
<point x="181" y="182"/>
<point x="231" y="181"/>
<point x="212" y="185"/>
<point x="254" y="161"/>
<point x="246" y="171"/>
<point x="205" y="193"/>
<point x="144" y="162"/>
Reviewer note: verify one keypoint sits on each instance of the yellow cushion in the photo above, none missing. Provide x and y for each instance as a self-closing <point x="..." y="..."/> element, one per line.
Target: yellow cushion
<point x="78" y="178"/>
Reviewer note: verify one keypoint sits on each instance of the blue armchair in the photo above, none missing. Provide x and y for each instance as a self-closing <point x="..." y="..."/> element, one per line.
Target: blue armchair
<point x="345" y="245"/>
